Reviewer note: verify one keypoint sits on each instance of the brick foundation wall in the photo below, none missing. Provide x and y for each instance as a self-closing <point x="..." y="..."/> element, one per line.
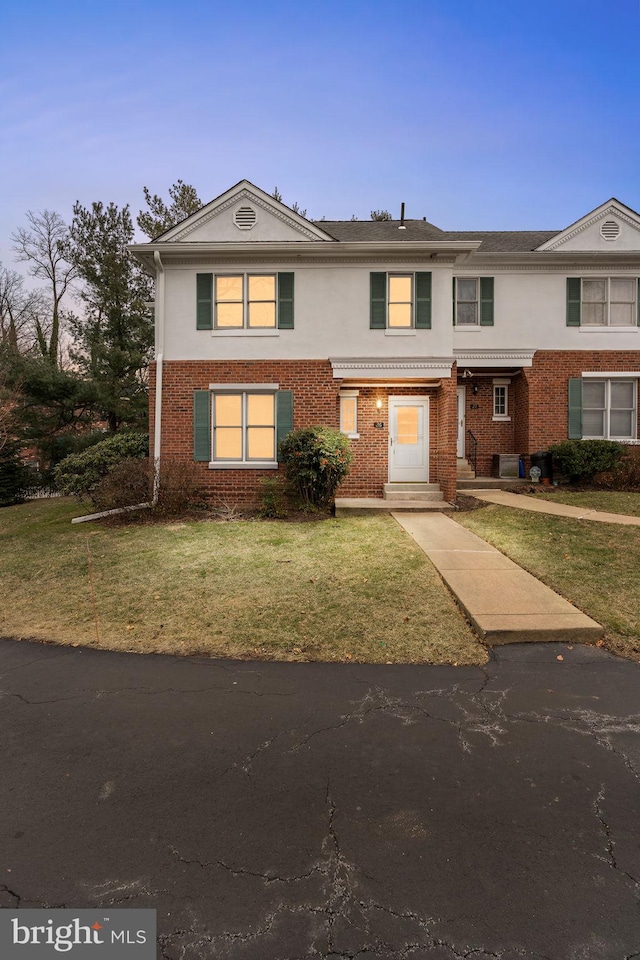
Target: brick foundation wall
<point x="316" y="401"/>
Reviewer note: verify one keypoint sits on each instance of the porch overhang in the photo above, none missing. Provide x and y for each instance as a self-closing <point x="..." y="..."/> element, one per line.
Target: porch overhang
<point x="493" y="359"/>
<point x="402" y="369"/>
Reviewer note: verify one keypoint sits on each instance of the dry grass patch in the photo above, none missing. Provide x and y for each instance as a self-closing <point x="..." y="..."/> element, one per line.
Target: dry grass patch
<point x="609" y="501"/>
<point x="594" y="565"/>
<point x="354" y="590"/>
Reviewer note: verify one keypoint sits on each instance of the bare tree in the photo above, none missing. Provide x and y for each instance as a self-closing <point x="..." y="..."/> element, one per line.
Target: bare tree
<point x="25" y="315"/>
<point x="45" y="246"/>
<point x="381" y="215"/>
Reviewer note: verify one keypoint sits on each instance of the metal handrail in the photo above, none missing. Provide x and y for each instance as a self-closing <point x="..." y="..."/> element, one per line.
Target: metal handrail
<point x="473" y="443"/>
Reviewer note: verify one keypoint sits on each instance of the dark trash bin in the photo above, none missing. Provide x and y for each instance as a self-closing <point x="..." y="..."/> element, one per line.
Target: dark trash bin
<point x="544" y="461"/>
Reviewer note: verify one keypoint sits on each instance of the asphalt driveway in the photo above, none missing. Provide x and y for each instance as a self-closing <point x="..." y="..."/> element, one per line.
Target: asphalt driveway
<point x="283" y="811"/>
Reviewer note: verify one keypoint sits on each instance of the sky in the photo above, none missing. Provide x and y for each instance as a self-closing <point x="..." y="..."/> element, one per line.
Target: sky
<point x="478" y="114"/>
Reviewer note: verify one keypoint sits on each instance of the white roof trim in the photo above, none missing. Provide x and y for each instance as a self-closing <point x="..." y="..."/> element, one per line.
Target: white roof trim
<point x="495" y="358"/>
<point x="380" y="368"/>
<point x="611" y="208"/>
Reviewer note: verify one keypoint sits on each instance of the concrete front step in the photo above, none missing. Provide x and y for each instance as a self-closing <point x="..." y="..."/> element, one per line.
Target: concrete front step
<point x="489" y="483"/>
<point x="412" y="491"/>
<point x="358" y="506"/>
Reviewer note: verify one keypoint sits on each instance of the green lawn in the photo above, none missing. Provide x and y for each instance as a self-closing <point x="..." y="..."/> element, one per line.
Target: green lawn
<point x="594" y="565"/>
<point x="354" y="590"/>
<point x="610" y="501"/>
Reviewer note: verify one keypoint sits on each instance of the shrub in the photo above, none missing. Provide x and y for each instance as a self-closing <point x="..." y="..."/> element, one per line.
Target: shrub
<point x="316" y="459"/>
<point x="130" y="482"/>
<point x="80" y="472"/>
<point x="578" y="461"/>
<point x="626" y="473"/>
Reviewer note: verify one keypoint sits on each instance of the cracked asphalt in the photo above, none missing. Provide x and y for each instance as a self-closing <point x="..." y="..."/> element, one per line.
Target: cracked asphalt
<point x="274" y="811"/>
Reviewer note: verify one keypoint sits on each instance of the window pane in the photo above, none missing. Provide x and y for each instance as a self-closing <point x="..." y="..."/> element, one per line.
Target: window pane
<point x="229" y="315"/>
<point x="400" y="289"/>
<point x="466" y="289"/>
<point x="594" y="291"/>
<point x="593" y="313"/>
<point x="228" y="288"/>
<point x="593" y="423"/>
<point x="399" y="314"/>
<point x="500" y="401"/>
<point x="260" y="443"/>
<point x="407" y="425"/>
<point x="262" y="288"/>
<point x="623" y="290"/>
<point x="623" y="394"/>
<point x="348" y="414"/>
<point x="621" y="424"/>
<point x="593" y="394"/>
<point x="260" y="409"/>
<point x="262" y="314"/>
<point x="467" y="313"/>
<point x="228" y="410"/>
<point x="623" y="314"/>
<point x="227" y="443"/>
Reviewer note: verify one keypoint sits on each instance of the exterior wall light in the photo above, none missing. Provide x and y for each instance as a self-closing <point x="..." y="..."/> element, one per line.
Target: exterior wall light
<point x="378" y="404"/>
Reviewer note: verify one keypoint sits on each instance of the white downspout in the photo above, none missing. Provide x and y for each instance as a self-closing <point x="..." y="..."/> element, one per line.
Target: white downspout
<point x="157" y="433"/>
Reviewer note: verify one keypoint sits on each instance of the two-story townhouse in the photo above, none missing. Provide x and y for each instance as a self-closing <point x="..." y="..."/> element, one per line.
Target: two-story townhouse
<point x="417" y="342"/>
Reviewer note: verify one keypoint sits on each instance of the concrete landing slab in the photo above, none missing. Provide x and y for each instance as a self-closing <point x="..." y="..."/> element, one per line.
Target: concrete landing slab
<point x="359" y="506"/>
<point x="521" y="502"/>
<point x="504" y="603"/>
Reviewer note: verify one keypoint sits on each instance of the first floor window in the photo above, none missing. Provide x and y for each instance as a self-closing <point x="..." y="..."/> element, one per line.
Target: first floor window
<point x="245" y="300"/>
<point x="609" y="409"/>
<point x="500" y="400"/>
<point x="349" y="412"/>
<point x="244" y="427"/>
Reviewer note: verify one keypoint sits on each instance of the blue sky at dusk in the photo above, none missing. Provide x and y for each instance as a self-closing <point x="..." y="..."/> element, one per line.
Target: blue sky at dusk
<point x="479" y="114"/>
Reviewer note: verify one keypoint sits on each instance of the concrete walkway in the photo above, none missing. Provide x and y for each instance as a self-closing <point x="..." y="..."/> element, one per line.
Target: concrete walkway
<point x="504" y="603"/>
<point x="522" y="502"/>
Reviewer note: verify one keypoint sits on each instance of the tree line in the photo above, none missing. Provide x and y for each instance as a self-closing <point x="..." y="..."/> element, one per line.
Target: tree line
<point x="74" y="351"/>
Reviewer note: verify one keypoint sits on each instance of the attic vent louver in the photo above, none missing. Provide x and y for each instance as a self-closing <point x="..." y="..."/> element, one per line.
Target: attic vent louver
<point x="610" y="230"/>
<point x="245" y="218"/>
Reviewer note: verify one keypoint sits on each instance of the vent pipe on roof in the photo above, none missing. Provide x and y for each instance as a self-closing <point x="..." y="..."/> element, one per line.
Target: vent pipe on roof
<point x="402" y="226"/>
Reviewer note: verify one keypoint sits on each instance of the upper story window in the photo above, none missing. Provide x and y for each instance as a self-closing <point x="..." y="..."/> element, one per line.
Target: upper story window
<point x="473" y="301"/>
<point x="245" y="300"/>
<point x="400" y="301"/>
<point x="603" y="302"/>
<point x="610" y="301"/>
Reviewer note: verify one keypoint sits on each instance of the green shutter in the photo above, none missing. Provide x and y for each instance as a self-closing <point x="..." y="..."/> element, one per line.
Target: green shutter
<point x="574" y="306"/>
<point x="423" y="301"/>
<point x="638" y="301"/>
<point x="574" y="428"/>
<point x="202" y="425"/>
<point x="486" y="301"/>
<point x="284" y="416"/>
<point x="204" y="297"/>
<point x="378" y="317"/>
<point x="285" y="301"/>
<point x="454" y="301"/>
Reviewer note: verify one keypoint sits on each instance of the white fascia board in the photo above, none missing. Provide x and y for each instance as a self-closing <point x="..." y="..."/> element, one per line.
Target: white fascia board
<point x="381" y="368"/>
<point x="495" y="358"/>
<point x="562" y="259"/>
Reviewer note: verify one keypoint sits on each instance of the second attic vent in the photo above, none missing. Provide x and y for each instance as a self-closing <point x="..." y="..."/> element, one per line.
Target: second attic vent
<point x="610" y="230"/>
<point x="245" y="218"/>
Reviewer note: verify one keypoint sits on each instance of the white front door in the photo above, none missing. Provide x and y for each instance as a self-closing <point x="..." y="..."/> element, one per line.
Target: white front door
<point x="461" y="403"/>
<point x="408" y="439"/>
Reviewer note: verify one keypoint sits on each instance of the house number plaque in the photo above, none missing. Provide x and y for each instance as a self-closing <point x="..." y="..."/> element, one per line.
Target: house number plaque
<point x="379" y="424"/>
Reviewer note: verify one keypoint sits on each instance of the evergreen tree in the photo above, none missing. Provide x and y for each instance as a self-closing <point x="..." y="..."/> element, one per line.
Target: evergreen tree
<point x="160" y="217"/>
<point x="114" y="335"/>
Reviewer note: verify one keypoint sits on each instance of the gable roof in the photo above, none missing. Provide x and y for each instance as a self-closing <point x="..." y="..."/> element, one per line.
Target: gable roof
<point x="610" y="207"/>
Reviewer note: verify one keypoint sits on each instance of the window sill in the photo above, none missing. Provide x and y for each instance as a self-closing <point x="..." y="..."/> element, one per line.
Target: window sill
<point x="245" y="333"/>
<point x="468" y="327"/>
<point x="352" y="436"/>
<point x="501" y="418"/>
<point x="390" y="332"/>
<point x="601" y="328"/>
<point x="254" y="465"/>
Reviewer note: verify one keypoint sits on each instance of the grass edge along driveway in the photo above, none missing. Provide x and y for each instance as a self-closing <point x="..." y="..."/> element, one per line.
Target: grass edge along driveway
<point x="352" y="590"/>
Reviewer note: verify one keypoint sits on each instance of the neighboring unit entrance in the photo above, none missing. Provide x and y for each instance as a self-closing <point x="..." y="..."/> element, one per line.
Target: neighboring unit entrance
<point x="408" y="439"/>
<point x="461" y="402"/>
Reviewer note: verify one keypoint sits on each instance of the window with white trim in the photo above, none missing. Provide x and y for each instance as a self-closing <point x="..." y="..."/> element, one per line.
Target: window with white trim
<point x="243" y="427"/>
<point x="609" y="301"/>
<point x="501" y="398"/>
<point x="349" y="413"/>
<point x="467" y="302"/>
<point x="400" y="300"/>
<point x="245" y="301"/>
<point x="609" y="409"/>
